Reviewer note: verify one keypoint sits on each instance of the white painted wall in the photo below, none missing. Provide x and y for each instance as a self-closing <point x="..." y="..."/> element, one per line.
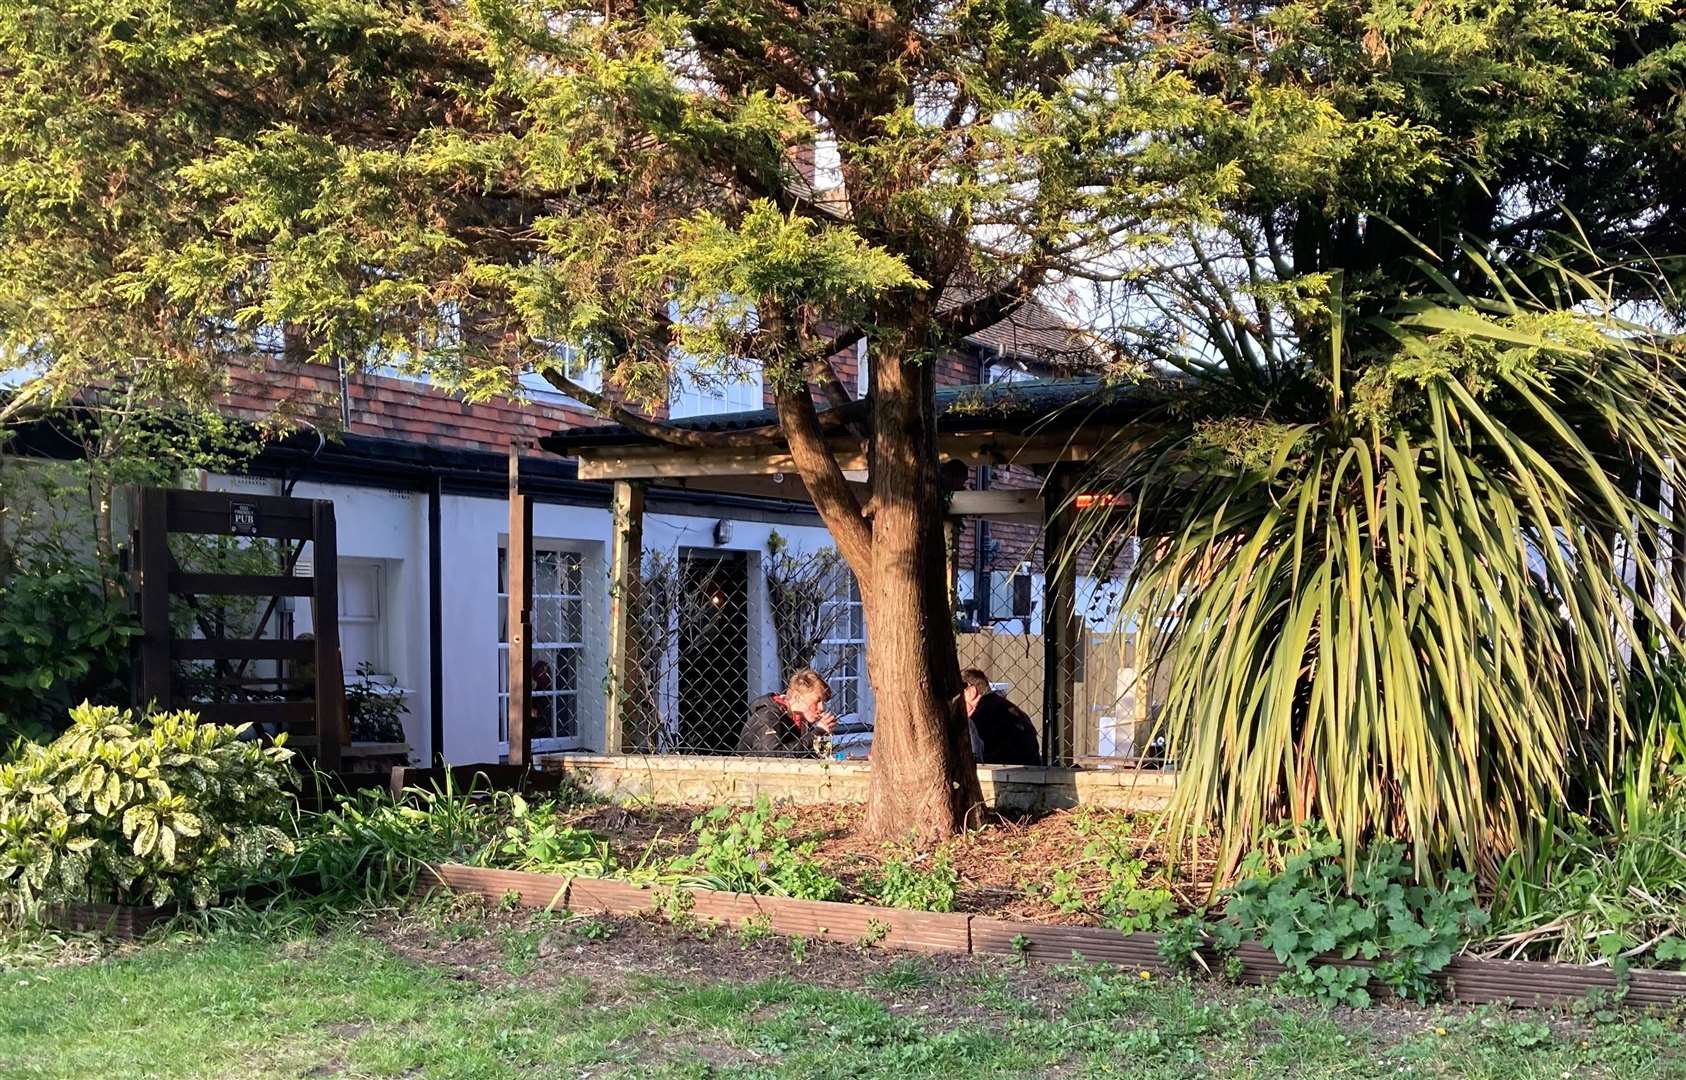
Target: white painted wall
<point x="392" y="526"/>
<point x="374" y="523"/>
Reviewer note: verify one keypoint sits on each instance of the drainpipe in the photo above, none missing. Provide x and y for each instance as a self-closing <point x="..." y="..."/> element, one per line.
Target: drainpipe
<point x="435" y="624"/>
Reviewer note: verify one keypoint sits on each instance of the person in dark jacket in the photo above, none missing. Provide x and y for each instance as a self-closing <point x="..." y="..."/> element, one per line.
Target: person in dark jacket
<point x="791" y="724"/>
<point x="1001" y="732"/>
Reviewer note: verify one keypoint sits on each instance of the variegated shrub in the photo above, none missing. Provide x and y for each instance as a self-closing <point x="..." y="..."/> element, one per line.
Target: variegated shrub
<point x="153" y="809"/>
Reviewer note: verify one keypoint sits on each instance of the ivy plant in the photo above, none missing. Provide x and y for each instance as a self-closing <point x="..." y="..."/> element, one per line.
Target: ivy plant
<point x="154" y="809"/>
<point x="1317" y="909"/>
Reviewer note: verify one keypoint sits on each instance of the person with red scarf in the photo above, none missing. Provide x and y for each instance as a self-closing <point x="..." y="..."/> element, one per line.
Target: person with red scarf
<point x="791" y="724"/>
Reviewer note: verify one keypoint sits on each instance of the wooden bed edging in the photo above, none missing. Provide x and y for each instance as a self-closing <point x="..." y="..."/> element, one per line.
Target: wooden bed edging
<point x="1467" y="979"/>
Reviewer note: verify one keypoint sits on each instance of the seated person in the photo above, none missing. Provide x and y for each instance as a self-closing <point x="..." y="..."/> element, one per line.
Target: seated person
<point x="1001" y="732"/>
<point x="790" y="724"/>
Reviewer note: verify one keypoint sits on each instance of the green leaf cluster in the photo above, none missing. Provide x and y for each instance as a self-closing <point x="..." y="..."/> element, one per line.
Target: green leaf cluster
<point x="156" y="809"/>
<point x="1130" y="897"/>
<point x="903" y="882"/>
<point x="1319" y="907"/>
<point x="751" y="851"/>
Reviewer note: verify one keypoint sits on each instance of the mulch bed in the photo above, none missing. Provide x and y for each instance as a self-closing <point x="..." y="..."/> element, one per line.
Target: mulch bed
<point x="1003" y="864"/>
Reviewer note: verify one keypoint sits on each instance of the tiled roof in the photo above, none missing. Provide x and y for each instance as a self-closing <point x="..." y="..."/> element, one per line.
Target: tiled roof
<point x="387" y="407"/>
<point x="1036" y="332"/>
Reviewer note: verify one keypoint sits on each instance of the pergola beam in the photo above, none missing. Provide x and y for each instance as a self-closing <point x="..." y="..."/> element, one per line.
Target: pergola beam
<point x="673" y="463"/>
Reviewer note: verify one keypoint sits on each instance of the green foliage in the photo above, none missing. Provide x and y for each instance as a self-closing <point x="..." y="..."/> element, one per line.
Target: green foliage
<point x="903" y="883"/>
<point x="375" y="715"/>
<point x="1180" y="942"/>
<point x="369" y="844"/>
<point x="1128" y="900"/>
<point x="750" y="851"/>
<point x="64" y="636"/>
<point x="1364" y="606"/>
<point x="1582" y="894"/>
<point x="537" y="840"/>
<point x="153" y="810"/>
<point x="1322" y="904"/>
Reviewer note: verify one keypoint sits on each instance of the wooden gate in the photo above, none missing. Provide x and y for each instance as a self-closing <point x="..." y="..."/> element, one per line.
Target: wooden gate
<point x="273" y="703"/>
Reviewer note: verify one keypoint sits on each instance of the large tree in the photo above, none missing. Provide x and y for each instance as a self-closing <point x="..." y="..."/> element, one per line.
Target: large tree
<point x="467" y="187"/>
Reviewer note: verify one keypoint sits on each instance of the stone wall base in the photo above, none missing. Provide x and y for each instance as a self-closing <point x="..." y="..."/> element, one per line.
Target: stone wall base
<point x="717" y="780"/>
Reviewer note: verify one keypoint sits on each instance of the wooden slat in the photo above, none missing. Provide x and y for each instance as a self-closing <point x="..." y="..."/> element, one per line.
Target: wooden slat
<point x="546" y="892"/>
<point x="919" y="931"/>
<point x="331" y="729"/>
<point x="285" y="714"/>
<point x="239" y="584"/>
<point x="1011" y="504"/>
<point x="279" y="507"/>
<point x="240" y="649"/>
<point x="1466" y="979"/>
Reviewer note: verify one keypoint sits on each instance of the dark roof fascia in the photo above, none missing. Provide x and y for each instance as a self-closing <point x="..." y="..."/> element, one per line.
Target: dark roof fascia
<point x="400" y="465"/>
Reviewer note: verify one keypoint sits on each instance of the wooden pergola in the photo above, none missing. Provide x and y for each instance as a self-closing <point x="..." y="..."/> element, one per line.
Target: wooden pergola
<point x="1052" y="427"/>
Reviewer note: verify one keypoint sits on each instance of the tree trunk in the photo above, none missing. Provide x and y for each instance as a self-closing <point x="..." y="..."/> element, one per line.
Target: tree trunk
<point x="924" y="779"/>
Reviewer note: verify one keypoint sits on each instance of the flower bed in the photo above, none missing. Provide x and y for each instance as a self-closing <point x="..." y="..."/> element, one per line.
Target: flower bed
<point x="1468" y="980"/>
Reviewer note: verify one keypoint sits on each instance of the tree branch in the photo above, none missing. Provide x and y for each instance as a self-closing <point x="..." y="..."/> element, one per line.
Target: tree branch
<point x="989" y="308"/>
<point x="827" y="486"/>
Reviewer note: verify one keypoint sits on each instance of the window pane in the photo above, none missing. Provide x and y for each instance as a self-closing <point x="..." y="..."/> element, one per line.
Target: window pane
<point x="567" y="669"/>
<point x="570" y="574"/>
<point x="544" y="572"/>
<point x="547" y="619"/>
<point x="359" y="645"/>
<point x="572" y="621"/>
<point x="567" y="719"/>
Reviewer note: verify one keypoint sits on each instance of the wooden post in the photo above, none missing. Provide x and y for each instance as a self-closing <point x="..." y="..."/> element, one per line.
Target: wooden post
<point x="624" y="582"/>
<point x="519" y="565"/>
<point x="1062" y="646"/>
<point x="152" y="568"/>
<point x="325" y="621"/>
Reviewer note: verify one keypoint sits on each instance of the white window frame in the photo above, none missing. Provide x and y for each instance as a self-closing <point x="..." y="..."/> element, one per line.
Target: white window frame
<point x="551" y="743"/>
<point x="737" y="388"/>
<point x="1004" y="370"/>
<point x="840" y="635"/>
<point x="382" y="662"/>
<point x="581" y="367"/>
<point x="863" y="377"/>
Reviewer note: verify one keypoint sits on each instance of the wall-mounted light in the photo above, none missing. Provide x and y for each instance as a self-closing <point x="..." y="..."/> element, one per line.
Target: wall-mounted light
<point x="722" y="532"/>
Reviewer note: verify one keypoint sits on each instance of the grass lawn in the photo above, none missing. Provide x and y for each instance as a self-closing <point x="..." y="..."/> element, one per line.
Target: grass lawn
<point x="477" y="994"/>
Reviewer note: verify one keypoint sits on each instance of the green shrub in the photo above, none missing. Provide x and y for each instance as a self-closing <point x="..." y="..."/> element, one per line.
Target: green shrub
<point x="1583" y="895"/>
<point x="150" y="810"/>
<point x="64" y="637"/>
<point x="904" y="884"/>
<point x="372" y="844"/>
<point x="750" y="851"/>
<point x="1310" y="910"/>
<point x="375" y="715"/>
